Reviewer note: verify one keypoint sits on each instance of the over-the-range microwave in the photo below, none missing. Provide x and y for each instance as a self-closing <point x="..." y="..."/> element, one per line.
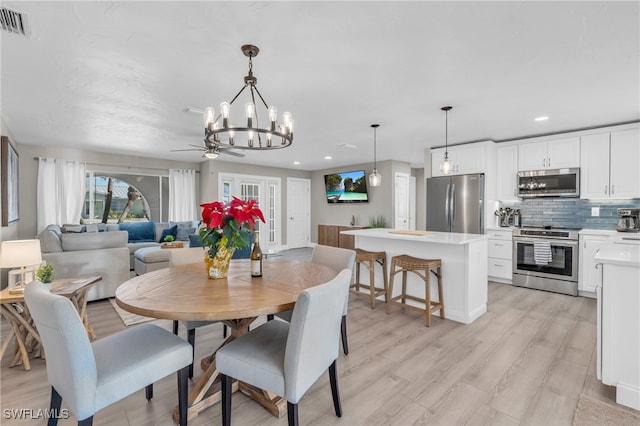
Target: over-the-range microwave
<point x="549" y="183"/>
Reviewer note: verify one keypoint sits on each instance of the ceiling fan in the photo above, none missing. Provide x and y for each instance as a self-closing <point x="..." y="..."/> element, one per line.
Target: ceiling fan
<point x="210" y="150"/>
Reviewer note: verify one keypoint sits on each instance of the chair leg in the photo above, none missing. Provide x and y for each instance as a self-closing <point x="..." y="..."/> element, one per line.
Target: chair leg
<point x="183" y="394"/>
<point x="226" y="399"/>
<point x="54" y="406"/>
<point x="269" y="317"/>
<point x="191" y="338"/>
<point x="148" y="392"/>
<point x="224" y="331"/>
<point x="86" y="422"/>
<point x="333" y="379"/>
<point x="343" y="332"/>
<point x="292" y="413"/>
<point x="175" y="327"/>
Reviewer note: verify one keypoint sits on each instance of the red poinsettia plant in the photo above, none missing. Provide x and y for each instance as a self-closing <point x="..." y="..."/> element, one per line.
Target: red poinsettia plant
<point x="228" y="224"/>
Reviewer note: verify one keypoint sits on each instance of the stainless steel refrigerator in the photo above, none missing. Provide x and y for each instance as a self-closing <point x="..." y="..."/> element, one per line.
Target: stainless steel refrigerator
<point x="456" y="204"/>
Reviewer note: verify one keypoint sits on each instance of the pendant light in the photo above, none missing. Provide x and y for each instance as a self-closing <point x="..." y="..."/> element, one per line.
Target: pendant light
<point x="375" y="178"/>
<point x="445" y="164"/>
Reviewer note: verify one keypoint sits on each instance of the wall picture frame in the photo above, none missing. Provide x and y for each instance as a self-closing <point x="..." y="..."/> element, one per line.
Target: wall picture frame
<point x="9" y="189"/>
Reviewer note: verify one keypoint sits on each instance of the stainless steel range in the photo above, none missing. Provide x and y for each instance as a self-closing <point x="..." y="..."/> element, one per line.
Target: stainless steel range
<point x="546" y="258"/>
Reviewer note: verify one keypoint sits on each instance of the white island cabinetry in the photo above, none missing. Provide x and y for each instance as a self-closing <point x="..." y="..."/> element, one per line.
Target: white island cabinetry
<point x="464" y="266"/>
<point x="618" y="320"/>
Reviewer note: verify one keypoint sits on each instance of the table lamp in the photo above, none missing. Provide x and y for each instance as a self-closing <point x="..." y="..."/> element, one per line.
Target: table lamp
<point x="20" y="254"/>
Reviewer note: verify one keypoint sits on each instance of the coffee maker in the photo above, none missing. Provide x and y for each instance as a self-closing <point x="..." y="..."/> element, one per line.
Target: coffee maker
<point x="628" y="220"/>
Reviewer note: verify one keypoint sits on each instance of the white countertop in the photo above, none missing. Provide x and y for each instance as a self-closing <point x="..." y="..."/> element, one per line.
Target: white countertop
<point x="432" y="237"/>
<point x="619" y="254"/>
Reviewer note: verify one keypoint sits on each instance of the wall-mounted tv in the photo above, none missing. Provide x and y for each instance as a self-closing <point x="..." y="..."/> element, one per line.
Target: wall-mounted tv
<point x="346" y="187"/>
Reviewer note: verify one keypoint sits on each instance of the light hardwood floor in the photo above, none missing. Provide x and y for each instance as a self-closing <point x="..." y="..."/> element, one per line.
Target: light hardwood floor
<point x="526" y="361"/>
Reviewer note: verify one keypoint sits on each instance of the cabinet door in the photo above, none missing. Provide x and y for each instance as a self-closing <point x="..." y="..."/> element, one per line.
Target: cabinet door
<point x="328" y="235"/>
<point x="625" y="163"/>
<point x="469" y="159"/>
<point x="594" y="166"/>
<point x="590" y="277"/>
<point x="507" y="171"/>
<point x="563" y="153"/>
<point x="532" y="156"/>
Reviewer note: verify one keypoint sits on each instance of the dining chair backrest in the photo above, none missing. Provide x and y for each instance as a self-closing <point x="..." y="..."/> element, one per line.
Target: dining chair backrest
<point x="184" y="256"/>
<point x="314" y="334"/>
<point x="336" y="258"/>
<point x="71" y="365"/>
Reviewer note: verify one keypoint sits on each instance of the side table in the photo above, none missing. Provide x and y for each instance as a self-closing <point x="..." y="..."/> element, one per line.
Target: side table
<point x="13" y="308"/>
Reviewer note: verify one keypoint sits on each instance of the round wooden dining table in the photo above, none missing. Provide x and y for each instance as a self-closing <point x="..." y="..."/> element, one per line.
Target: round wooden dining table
<point x="185" y="293"/>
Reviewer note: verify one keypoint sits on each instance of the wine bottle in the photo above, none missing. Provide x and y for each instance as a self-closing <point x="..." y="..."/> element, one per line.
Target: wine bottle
<point x="256" y="256"/>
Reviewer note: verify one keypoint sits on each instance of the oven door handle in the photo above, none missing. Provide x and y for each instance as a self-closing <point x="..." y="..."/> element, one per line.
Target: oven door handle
<point x="553" y="242"/>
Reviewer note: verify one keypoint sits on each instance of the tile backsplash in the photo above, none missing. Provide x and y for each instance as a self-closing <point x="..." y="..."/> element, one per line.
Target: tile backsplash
<point x="570" y="212"/>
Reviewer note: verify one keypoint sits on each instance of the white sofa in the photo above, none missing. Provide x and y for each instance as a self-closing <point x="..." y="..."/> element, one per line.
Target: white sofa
<point x="81" y="255"/>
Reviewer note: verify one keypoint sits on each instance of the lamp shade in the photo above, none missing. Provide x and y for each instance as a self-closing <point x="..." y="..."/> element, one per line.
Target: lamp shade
<point x="19" y="253"/>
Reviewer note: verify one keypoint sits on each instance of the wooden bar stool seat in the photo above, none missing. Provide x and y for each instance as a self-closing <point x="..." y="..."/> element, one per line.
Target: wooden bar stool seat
<point x="421" y="267"/>
<point x="369" y="260"/>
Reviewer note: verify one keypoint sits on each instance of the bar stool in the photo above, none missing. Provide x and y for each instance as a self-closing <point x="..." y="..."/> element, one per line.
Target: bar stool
<point x="369" y="260"/>
<point x="407" y="263"/>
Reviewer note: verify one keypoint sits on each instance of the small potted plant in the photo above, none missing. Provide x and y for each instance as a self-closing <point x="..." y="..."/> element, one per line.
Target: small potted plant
<point x="45" y="273"/>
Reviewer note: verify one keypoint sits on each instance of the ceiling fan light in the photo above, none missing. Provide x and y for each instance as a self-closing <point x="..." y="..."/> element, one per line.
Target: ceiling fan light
<point x="211" y="155"/>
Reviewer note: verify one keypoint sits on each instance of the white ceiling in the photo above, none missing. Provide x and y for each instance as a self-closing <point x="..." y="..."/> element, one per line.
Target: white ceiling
<point x="116" y="76"/>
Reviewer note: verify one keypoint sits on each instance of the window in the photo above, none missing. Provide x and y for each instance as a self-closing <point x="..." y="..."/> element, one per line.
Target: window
<point x="133" y="198"/>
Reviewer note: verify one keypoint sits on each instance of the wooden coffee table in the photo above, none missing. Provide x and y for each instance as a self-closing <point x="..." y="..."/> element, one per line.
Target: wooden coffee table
<point x="184" y="293"/>
<point x="13" y="308"/>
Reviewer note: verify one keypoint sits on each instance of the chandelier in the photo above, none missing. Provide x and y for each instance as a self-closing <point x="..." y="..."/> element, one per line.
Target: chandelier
<point x="219" y="131"/>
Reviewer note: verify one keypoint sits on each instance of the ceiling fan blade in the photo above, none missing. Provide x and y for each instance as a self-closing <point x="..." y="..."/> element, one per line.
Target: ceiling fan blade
<point x="190" y="149"/>
<point x="197" y="146"/>
<point x="196" y="110"/>
<point x="235" y="154"/>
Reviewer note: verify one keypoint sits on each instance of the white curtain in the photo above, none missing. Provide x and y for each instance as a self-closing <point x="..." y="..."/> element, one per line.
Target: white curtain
<point x="60" y="192"/>
<point x="182" y="195"/>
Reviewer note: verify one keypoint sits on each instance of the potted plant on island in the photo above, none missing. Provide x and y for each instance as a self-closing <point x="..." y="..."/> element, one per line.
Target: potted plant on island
<point x="226" y="227"/>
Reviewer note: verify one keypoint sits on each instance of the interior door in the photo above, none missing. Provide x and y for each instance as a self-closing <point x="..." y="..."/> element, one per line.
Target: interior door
<point x="298" y="212"/>
<point x="412" y="202"/>
<point x="401" y="217"/>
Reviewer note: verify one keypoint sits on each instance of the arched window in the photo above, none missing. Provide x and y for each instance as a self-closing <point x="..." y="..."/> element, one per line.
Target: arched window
<point x="112" y="198"/>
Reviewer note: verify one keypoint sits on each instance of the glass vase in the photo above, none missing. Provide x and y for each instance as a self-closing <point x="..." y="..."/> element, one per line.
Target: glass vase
<point x="218" y="266"/>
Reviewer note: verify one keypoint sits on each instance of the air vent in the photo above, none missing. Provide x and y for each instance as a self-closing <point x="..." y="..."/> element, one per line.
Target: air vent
<point x="14" y="22"/>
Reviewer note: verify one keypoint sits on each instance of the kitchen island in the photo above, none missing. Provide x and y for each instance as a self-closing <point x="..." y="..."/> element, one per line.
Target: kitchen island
<point x="464" y="266"/>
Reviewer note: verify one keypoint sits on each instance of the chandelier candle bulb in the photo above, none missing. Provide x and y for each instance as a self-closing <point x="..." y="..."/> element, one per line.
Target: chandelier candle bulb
<point x="209" y="118"/>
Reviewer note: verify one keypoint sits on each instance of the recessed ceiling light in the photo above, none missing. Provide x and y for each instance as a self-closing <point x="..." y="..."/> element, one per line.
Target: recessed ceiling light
<point x="296" y="163"/>
<point x="327" y="157"/>
<point x="543" y="118"/>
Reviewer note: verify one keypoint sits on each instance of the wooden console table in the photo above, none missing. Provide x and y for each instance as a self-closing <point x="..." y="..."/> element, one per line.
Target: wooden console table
<point x="13" y="308"/>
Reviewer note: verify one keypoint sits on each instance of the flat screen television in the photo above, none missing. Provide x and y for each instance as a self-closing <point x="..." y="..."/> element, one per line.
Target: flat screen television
<point x="346" y="187"/>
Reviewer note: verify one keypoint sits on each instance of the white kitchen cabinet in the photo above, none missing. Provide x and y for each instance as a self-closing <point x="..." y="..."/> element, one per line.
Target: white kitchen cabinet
<point x="507" y="173"/>
<point x="607" y="160"/>
<point x="618" y="321"/>
<point x="465" y="159"/>
<point x="500" y="249"/>
<point x="551" y="154"/>
<point x="589" y="277"/>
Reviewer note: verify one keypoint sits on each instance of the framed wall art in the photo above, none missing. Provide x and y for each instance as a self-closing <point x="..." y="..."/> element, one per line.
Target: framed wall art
<point x="9" y="168"/>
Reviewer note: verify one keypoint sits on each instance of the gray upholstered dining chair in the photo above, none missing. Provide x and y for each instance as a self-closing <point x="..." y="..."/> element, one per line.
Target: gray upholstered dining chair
<point x="186" y="256"/>
<point x="90" y="376"/>
<point x="288" y="358"/>
<point x="338" y="259"/>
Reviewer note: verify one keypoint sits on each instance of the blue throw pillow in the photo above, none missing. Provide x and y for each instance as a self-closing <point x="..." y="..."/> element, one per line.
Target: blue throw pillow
<point x="172" y="230"/>
<point x="183" y="232"/>
<point x="194" y="240"/>
<point x="139" y="231"/>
